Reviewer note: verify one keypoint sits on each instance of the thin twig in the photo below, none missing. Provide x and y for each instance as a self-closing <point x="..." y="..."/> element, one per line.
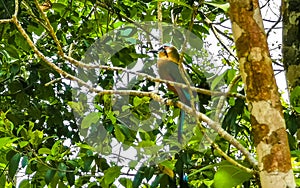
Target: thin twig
<point x="223" y="98"/>
<point x="219" y="38"/>
<point x="274" y="25"/>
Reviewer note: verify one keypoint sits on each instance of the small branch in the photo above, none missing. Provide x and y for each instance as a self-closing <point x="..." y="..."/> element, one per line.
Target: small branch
<point x="53" y="81"/>
<point x="50" y="28"/>
<point x="223" y="98"/>
<point x="16" y="8"/>
<point x="45" y="164"/>
<point x="159" y="19"/>
<point x="229" y="159"/>
<point x="2" y="21"/>
<point x="29" y="9"/>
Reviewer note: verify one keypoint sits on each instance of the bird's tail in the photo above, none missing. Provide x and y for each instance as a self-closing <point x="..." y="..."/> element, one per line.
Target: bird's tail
<point x="180" y="127"/>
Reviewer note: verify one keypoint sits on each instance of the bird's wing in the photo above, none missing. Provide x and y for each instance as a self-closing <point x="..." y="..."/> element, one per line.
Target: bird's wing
<point x="169" y="70"/>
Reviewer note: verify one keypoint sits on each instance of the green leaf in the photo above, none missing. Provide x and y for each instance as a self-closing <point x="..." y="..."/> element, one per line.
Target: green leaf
<point x="36" y="137"/>
<point x="223" y="6"/>
<point x="71" y="178"/>
<point x="138" y="177"/>
<point x="91" y="118"/>
<point x="24" y="161"/>
<point x="178" y="2"/>
<point x="126" y="182"/>
<point x="77" y="107"/>
<point x="22" y="144"/>
<point x="62" y="170"/>
<point x="146" y="143"/>
<point x="21" y="42"/>
<point x="229" y="176"/>
<point x="44" y="151"/>
<point x="297" y="109"/>
<point x="217" y="80"/>
<point x="14" y="164"/>
<point x="156" y="181"/>
<point x="295" y="98"/>
<point x="168" y="164"/>
<point x="58" y="6"/>
<point x="49" y="175"/>
<point x="111" y="174"/>
<point x="87" y="163"/>
<point x="25" y="183"/>
<point x="137" y="101"/>
<point x="102" y="164"/>
<point x="149" y="172"/>
<point x="2" y="180"/>
<point x="111" y="116"/>
<point x="230" y="75"/>
<point x="6" y="140"/>
<point x="132" y="164"/>
<point x="119" y="135"/>
<point x="56" y="148"/>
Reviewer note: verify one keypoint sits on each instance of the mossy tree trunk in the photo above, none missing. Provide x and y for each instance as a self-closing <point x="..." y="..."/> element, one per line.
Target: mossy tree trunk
<point x="262" y="95"/>
<point x="291" y="49"/>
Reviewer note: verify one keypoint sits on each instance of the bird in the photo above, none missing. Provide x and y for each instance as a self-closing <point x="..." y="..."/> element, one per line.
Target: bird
<point x="168" y="65"/>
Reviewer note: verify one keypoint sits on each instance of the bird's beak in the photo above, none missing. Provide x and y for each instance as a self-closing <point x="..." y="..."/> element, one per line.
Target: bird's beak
<point x="162" y="48"/>
<point x="153" y="51"/>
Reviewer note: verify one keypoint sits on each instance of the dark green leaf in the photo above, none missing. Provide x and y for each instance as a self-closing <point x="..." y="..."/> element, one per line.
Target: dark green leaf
<point x="62" y="170"/>
<point x="14" y="164"/>
<point x="139" y="176"/>
<point x="24" y="161"/>
<point x="71" y="178"/>
<point x="87" y="163"/>
<point x="49" y="175"/>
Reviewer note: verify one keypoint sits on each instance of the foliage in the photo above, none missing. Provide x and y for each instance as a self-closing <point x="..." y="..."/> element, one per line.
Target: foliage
<point x="45" y="142"/>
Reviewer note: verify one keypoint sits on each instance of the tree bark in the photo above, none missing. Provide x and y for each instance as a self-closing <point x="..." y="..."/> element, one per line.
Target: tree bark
<point x="291" y="43"/>
<point x="268" y="125"/>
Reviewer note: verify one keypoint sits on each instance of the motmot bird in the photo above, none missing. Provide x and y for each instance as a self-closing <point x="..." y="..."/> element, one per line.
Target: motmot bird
<point x="168" y="69"/>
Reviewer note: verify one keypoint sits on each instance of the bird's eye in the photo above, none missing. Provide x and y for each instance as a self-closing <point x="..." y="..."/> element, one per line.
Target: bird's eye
<point x="166" y="53"/>
<point x="164" y="50"/>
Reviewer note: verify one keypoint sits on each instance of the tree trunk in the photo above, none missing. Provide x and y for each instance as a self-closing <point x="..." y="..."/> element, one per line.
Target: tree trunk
<point x="291" y="43"/>
<point x="262" y="95"/>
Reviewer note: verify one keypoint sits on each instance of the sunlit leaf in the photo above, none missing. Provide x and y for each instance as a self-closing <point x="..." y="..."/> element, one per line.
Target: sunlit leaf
<point x="91" y="118"/>
<point x="223" y="6"/>
<point x="111" y="174"/>
<point x="229" y="176"/>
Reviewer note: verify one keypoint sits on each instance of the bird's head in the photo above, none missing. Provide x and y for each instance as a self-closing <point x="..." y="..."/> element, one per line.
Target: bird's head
<point x="167" y="52"/>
